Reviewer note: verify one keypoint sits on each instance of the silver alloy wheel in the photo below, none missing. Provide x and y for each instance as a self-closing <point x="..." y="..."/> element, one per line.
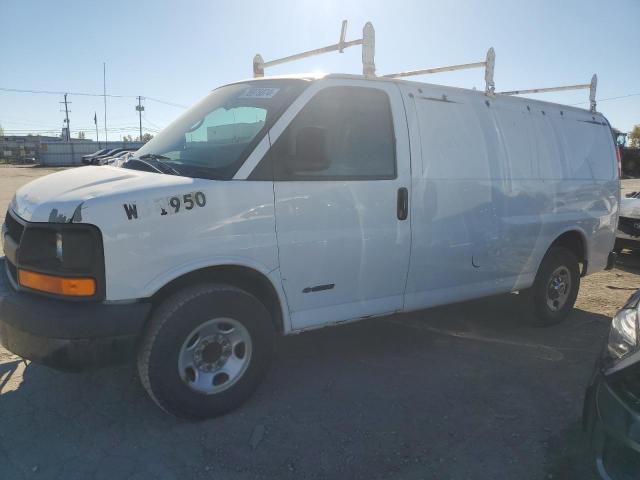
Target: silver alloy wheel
<point x="215" y="355"/>
<point x="558" y="288"/>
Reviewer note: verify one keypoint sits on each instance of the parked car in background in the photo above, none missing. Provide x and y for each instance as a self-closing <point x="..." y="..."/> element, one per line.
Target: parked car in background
<point x="93" y="160"/>
<point x="112" y="158"/>
<point x="99" y="159"/>
<point x="86" y="159"/>
<point x="628" y="232"/>
<point x="120" y="161"/>
<point x="612" y="401"/>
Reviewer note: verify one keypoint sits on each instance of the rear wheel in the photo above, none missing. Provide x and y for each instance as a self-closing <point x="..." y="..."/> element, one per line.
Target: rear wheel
<point x="205" y="350"/>
<point x="556" y="286"/>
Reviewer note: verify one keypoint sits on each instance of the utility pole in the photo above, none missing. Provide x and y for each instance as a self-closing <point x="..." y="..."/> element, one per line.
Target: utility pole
<point x="95" y="121"/>
<point x="104" y="92"/>
<point x="66" y="119"/>
<point x="66" y="115"/>
<point x="140" y="109"/>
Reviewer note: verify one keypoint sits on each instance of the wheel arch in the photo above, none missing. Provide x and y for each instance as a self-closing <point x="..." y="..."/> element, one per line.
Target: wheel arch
<point x="259" y="283"/>
<point x="574" y="240"/>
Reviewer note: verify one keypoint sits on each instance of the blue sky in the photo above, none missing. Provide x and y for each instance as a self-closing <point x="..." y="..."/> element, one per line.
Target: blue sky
<point x="177" y="51"/>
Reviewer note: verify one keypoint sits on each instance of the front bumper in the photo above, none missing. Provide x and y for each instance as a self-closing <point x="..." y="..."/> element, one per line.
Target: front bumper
<point x="65" y="334"/>
<point x="612" y="420"/>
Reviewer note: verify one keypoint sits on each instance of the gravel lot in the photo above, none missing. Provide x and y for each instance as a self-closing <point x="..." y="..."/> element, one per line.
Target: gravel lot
<point x="465" y="391"/>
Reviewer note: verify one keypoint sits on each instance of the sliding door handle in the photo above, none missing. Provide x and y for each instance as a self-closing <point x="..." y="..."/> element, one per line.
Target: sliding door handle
<point x="403" y="203"/>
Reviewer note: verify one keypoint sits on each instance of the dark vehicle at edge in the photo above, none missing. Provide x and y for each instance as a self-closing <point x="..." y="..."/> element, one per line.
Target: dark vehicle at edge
<point x="86" y="159"/>
<point x="611" y="413"/>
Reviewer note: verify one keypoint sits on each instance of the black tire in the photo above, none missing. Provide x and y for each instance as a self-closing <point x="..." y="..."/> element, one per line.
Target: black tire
<point x="536" y="297"/>
<point x="170" y="324"/>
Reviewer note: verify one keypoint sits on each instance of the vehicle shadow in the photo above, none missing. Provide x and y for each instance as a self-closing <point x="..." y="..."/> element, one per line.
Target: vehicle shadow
<point x="464" y="391"/>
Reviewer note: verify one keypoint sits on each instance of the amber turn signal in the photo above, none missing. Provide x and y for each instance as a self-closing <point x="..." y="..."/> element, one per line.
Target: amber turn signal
<point x="72" y="287"/>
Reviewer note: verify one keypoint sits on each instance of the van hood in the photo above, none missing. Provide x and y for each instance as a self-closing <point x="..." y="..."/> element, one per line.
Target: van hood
<point x="61" y="197"/>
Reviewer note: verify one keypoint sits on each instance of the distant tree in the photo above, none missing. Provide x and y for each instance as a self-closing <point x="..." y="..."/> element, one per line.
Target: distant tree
<point x="1" y="131"/>
<point x="145" y="138"/>
<point x="127" y="138"/>
<point x="81" y="135"/>
<point x="634" y="137"/>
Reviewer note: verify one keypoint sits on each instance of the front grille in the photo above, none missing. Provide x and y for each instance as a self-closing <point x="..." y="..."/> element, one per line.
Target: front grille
<point x="630" y="226"/>
<point x="14" y="228"/>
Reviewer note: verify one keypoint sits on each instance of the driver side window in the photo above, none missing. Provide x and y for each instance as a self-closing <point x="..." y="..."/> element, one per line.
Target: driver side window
<point x="343" y="133"/>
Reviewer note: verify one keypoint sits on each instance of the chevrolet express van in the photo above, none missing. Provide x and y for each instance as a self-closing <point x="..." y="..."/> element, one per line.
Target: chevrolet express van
<point x="278" y="205"/>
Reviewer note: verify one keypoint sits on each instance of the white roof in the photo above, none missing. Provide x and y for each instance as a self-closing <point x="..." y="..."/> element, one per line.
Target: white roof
<point x="313" y="76"/>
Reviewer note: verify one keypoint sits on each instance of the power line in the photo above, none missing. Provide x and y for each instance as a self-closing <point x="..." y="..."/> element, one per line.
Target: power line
<point x="610" y="98"/>
<point x="50" y="92"/>
<point x="86" y="94"/>
<point x="165" y="102"/>
<point x="79" y="129"/>
<point x="146" y="119"/>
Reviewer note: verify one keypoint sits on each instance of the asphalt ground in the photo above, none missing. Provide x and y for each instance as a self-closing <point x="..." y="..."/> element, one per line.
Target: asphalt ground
<point x="468" y="391"/>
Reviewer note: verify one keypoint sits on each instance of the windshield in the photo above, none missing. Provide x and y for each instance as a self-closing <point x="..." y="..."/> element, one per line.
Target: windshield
<point x="214" y="137"/>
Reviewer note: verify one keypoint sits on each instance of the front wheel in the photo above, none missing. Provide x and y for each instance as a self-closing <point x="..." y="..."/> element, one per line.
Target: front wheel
<point x="205" y="350"/>
<point x="556" y="286"/>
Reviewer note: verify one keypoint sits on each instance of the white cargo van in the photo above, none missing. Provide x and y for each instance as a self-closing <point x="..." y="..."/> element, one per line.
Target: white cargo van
<point x="277" y="205"/>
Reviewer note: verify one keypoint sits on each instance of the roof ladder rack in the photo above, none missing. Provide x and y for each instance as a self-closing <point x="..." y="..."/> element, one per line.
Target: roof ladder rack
<point x="488" y="64"/>
<point x="368" y="52"/>
<point x="591" y="86"/>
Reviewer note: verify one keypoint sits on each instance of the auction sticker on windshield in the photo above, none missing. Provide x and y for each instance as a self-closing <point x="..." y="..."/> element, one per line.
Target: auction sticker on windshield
<point x="261" y="92"/>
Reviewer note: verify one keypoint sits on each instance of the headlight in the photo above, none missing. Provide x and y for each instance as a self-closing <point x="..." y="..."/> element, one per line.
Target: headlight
<point x="64" y="249"/>
<point x="623" y="337"/>
<point x="62" y="259"/>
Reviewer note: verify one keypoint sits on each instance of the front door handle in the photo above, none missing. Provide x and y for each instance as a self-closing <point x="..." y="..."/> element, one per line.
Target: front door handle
<point x="403" y="203"/>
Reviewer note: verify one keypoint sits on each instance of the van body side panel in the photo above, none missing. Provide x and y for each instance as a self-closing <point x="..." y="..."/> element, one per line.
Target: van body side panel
<point x="457" y="197"/>
<point x="577" y="178"/>
<point x="590" y="162"/>
<point x="494" y="182"/>
<point x="522" y="229"/>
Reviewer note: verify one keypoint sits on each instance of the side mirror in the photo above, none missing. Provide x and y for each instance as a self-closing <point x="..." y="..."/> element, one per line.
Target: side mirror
<point x="310" y="150"/>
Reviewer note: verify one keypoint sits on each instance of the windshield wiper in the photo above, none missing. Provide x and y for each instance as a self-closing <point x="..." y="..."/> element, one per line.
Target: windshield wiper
<point x="157" y="162"/>
<point x="153" y="156"/>
<point x="209" y="173"/>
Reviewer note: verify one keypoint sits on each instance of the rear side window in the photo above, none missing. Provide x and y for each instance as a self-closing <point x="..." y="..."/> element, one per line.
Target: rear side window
<point x="353" y="128"/>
